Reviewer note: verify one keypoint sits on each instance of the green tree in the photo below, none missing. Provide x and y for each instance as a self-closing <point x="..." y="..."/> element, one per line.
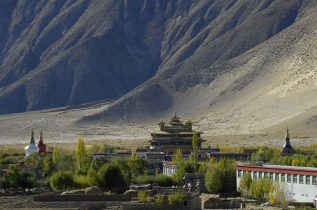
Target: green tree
<point x="110" y="177"/>
<point x="92" y="177"/>
<point x="55" y="153"/>
<point x="65" y="162"/>
<point x="213" y="179"/>
<point x="136" y="165"/>
<point x="221" y="177"/>
<point x="26" y="180"/>
<point x="245" y="184"/>
<point x="195" y="145"/>
<point x="178" y="156"/>
<point x="203" y="167"/>
<point x="4" y="183"/>
<point x="62" y="180"/>
<point x="12" y="176"/>
<point x="260" y="189"/>
<point x="182" y="168"/>
<point x="84" y="166"/>
<point x="80" y="151"/>
<point x="49" y="166"/>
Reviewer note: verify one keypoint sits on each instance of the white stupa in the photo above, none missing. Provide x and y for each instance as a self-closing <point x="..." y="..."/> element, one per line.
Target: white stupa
<point x="32" y="148"/>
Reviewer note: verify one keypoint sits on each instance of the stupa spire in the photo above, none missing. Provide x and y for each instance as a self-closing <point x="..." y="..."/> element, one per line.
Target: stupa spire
<point x="41" y="137"/>
<point x="287" y="134"/>
<point x="32" y="137"/>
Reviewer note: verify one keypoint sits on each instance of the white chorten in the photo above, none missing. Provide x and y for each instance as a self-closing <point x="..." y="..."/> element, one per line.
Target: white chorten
<point x="32" y="148"/>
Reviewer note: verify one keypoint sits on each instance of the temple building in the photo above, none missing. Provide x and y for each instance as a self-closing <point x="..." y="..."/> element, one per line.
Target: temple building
<point x="32" y="148"/>
<point x="41" y="145"/>
<point x="174" y="135"/>
<point x="287" y="148"/>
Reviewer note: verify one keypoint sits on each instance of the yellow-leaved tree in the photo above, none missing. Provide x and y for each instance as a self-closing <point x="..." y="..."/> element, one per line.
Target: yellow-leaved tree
<point x="80" y="151"/>
<point x="55" y="152"/>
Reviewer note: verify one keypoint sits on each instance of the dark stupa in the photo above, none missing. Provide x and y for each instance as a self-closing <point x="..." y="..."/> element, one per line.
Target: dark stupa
<point x="287" y="148"/>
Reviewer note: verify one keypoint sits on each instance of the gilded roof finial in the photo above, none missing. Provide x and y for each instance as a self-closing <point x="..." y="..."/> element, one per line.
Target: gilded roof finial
<point x="32" y="137"/>
<point x="175" y="114"/>
<point x="287" y="133"/>
<point x="41" y="136"/>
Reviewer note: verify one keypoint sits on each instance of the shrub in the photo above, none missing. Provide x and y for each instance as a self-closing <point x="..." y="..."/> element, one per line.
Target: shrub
<point x="110" y="176"/>
<point x="32" y="160"/>
<point x="26" y="180"/>
<point x="4" y="183"/>
<point x="9" y="160"/>
<point x="159" y="199"/>
<point x="176" y="199"/>
<point x="15" y="178"/>
<point x="161" y="180"/>
<point x="81" y="182"/>
<point x="144" y="196"/>
<point x="62" y="180"/>
<point x="144" y="179"/>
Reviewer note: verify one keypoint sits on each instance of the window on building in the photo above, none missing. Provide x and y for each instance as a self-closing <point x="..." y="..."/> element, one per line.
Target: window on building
<point x="271" y="176"/>
<point x="301" y="179"/>
<point x="239" y="174"/>
<point x="260" y="175"/>
<point x="307" y="179"/>
<point x="255" y="175"/>
<point x="277" y="176"/>
<point x="282" y="177"/>
<point x="266" y="174"/>
<point x="294" y="178"/>
<point x="314" y="179"/>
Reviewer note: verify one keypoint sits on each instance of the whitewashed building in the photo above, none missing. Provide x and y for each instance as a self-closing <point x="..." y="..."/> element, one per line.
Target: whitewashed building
<point x="169" y="168"/>
<point x="299" y="183"/>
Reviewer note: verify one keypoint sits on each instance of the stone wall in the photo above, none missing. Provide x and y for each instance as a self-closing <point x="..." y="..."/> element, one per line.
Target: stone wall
<point x="52" y="198"/>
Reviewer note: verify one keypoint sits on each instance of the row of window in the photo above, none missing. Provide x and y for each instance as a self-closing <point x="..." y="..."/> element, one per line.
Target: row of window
<point x="169" y="171"/>
<point x="283" y="177"/>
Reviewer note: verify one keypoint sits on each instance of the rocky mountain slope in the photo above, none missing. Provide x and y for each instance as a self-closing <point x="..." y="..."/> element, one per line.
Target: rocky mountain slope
<point x="234" y="65"/>
<point x="258" y="75"/>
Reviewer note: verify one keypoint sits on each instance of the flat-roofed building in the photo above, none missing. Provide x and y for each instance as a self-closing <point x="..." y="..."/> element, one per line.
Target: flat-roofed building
<point x="112" y="155"/>
<point x="155" y="162"/>
<point x="299" y="183"/>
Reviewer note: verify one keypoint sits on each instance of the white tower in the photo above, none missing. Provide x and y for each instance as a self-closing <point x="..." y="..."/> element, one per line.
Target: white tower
<point x="32" y="148"/>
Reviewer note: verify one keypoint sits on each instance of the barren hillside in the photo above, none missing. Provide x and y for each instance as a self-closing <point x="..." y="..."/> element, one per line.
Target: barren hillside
<point x="235" y="67"/>
<point x="274" y="84"/>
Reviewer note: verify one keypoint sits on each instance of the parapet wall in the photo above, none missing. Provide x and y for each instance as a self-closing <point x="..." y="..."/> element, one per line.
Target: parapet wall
<point x="52" y="198"/>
